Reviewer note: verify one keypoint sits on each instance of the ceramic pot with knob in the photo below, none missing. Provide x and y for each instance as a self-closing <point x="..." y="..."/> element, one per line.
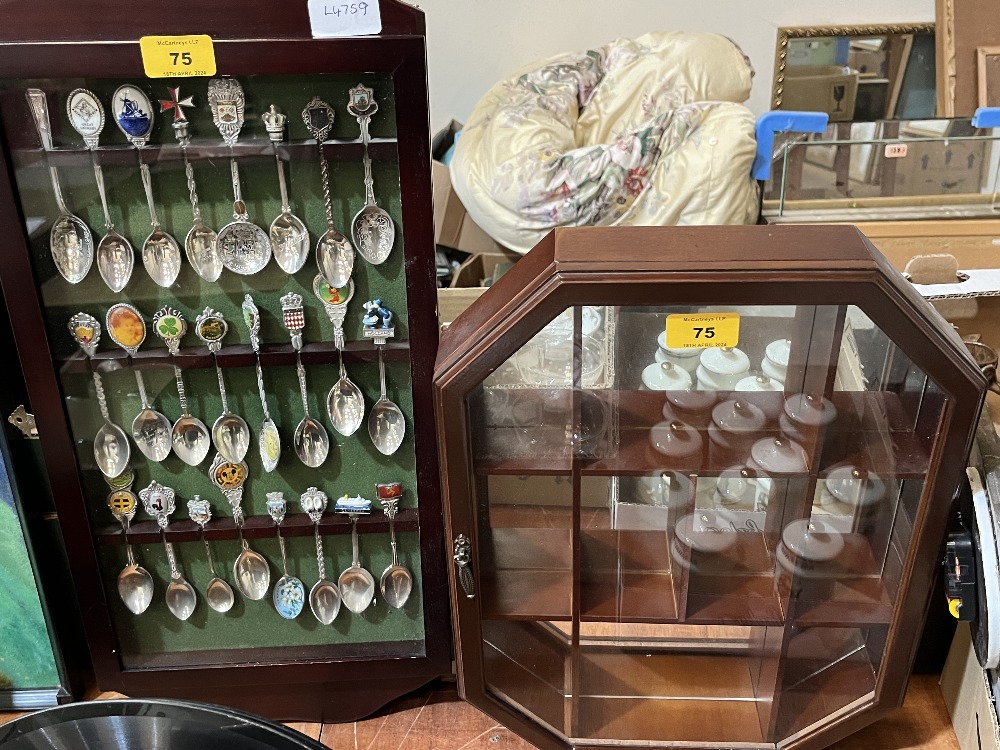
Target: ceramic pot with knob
<point x="808" y="549"/>
<point x="691" y="407"/>
<point x="666" y="376"/>
<point x="680" y="445"/>
<point x="778" y="457"/>
<point x="804" y="415"/>
<point x="702" y="540"/>
<point x="775" y="362"/>
<point x="685" y="358"/>
<point x="722" y="368"/>
<point x="767" y="395"/>
<point x="736" y="426"/>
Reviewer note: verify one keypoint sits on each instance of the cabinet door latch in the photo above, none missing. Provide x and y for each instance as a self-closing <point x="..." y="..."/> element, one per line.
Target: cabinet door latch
<point x="25" y="422"/>
<point x="463" y="559"/>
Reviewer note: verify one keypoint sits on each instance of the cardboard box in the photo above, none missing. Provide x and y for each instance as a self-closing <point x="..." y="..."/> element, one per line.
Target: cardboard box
<point x="930" y="169"/>
<point x="821" y="88"/>
<point x="452" y="225"/>
<point x="967" y="694"/>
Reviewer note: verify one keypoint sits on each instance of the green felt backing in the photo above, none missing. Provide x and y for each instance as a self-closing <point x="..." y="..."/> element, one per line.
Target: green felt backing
<point x="354" y="465"/>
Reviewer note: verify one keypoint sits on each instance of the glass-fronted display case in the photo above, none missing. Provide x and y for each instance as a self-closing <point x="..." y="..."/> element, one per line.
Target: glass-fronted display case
<point x="696" y="493"/>
<point x="221" y="289"/>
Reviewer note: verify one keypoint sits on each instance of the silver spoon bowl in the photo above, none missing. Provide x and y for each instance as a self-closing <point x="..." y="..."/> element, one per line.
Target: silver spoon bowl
<point x="190" y="439"/>
<point x="231" y="436"/>
<point x="72" y="247"/>
<point x="346" y="406"/>
<point x="335" y="258"/>
<point x="251" y="573"/>
<point x="151" y="431"/>
<point x="396" y="582"/>
<point x="115" y="260"/>
<point x="219" y="595"/>
<point x="135" y="587"/>
<point x="374" y="232"/>
<point x="181" y="598"/>
<point x="202" y="252"/>
<point x="312" y="444"/>
<point x="357" y="585"/>
<point x="161" y="255"/>
<point x="111" y="450"/>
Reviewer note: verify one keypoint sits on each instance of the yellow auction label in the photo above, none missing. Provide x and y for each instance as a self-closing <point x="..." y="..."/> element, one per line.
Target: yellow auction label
<point x="703" y="330"/>
<point x="176" y="56"/>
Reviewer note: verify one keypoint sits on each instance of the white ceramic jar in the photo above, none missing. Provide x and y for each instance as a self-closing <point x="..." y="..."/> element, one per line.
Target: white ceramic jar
<point x="722" y="368"/>
<point x="666" y="376"/>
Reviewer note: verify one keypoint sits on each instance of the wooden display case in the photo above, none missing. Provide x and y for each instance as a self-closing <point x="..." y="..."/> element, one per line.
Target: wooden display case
<point x="249" y="657"/>
<point x="697" y="546"/>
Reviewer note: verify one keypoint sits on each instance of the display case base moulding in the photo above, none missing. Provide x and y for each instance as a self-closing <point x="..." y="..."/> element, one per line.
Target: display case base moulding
<point x="377" y="142"/>
<point x="696" y="483"/>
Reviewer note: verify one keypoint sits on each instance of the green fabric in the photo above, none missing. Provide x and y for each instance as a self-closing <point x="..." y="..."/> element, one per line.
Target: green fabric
<point x="26" y="658"/>
<point x="353" y="467"/>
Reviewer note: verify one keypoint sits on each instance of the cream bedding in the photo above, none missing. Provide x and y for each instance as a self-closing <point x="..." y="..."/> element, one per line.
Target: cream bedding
<point x="648" y="131"/>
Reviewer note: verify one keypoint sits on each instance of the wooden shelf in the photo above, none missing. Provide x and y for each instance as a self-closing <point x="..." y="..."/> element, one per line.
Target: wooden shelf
<point x="198" y="357"/>
<point x="699" y="698"/>
<point x="851" y="591"/>
<point x="257" y="527"/>
<point x="876" y="435"/>
<point x="208" y="149"/>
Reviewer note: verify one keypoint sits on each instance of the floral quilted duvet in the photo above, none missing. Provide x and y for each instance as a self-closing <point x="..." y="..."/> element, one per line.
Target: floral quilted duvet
<point x="650" y="131"/>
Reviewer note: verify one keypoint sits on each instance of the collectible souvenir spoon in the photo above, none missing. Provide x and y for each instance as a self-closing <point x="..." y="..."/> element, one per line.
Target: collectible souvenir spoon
<point x="344" y="402"/>
<point x="386" y="424"/>
<point x="334" y="254"/>
<point x="135" y="584"/>
<point x="250" y="570"/>
<point x="115" y="257"/>
<point x="397" y="581"/>
<point x="70" y="240"/>
<point x="150" y="428"/>
<point x="268" y="440"/>
<point x="230" y="433"/>
<point x="219" y="594"/>
<point x="372" y="229"/>
<point x="357" y="585"/>
<point x="289" y="237"/>
<point x="159" y="502"/>
<point x="312" y="444"/>
<point x="289" y="594"/>
<point x="161" y="255"/>
<point x="200" y="244"/>
<point x="243" y="246"/>
<point x="111" y="447"/>
<point x="324" y="597"/>
<point x="189" y="435"/>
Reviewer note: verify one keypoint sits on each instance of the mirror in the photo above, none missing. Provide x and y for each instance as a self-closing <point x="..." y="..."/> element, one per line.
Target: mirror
<point x="856" y="73"/>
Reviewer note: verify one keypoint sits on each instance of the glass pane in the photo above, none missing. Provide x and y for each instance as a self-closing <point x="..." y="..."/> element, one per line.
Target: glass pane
<point x="696" y="544"/>
<point x="158" y="639"/>
<point x="886" y="169"/>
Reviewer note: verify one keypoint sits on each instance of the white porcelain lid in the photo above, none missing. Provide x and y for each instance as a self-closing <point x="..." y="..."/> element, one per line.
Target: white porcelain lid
<point x="666" y="376"/>
<point x="777" y="351"/>
<point x="688" y="351"/>
<point x="706" y="530"/>
<point x="689" y="401"/>
<point x="813" y="539"/>
<point x="725" y="361"/>
<point x="736" y="485"/>
<point x="779" y="456"/>
<point x="675" y="439"/>
<point x="738" y="416"/>
<point x="810" y="410"/>
<point x="854" y="486"/>
<point x="758" y="383"/>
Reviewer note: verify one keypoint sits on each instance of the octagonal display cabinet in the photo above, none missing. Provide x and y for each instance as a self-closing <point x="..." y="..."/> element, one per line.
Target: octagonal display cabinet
<point x="697" y="481"/>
